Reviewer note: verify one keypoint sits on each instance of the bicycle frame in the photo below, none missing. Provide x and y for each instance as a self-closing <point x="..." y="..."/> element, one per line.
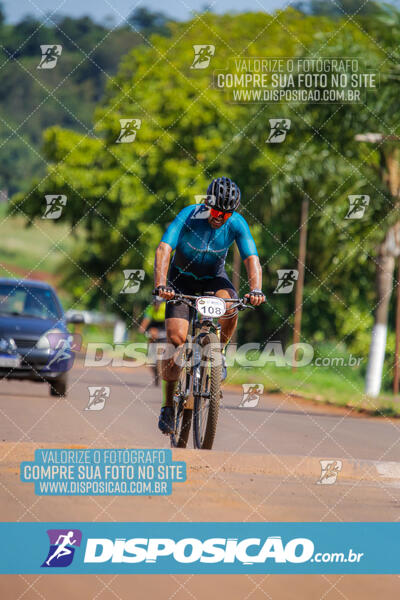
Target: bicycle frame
<point x="198" y="328"/>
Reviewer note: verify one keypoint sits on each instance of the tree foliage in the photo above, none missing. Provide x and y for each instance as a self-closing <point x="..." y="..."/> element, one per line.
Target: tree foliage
<point x="32" y="100"/>
<point x="148" y="22"/>
<point x="124" y="195"/>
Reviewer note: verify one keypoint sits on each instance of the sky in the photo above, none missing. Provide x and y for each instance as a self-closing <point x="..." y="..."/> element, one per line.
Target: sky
<point x="99" y="9"/>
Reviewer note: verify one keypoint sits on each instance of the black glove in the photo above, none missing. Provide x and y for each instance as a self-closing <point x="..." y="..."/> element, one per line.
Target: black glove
<point x="163" y="288"/>
<point x="257" y="294"/>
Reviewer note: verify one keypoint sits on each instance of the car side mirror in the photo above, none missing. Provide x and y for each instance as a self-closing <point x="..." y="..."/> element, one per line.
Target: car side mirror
<point x="75" y="319"/>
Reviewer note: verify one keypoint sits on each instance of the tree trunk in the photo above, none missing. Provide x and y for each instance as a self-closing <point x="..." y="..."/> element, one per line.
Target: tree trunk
<point x="236" y="281"/>
<point x="384" y="286"/>
<point x="301" y="261"/>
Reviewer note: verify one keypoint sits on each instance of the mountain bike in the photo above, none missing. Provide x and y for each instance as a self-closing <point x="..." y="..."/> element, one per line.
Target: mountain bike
<point x="198" y="391"/>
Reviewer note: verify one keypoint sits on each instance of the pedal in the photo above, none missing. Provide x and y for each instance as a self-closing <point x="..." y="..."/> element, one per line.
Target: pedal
<point x="220" y="394"/>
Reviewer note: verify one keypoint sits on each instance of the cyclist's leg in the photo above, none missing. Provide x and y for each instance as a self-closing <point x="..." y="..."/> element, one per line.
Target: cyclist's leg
<point x="177" y="317"/>
<point x="153" y="332"/>
<point x="176" y="330"/>
<point x="223" y="287"/>
<point x="229" y="321"/>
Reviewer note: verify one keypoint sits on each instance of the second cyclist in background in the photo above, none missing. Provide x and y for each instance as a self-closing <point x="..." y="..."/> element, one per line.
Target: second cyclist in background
<point x="153" y="325"/>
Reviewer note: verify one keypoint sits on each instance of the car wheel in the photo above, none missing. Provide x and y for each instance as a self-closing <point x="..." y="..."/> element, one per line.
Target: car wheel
<point x="58" y="387"/>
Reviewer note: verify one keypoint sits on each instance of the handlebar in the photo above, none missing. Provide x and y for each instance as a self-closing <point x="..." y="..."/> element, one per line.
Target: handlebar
<point x="239" y="303"/>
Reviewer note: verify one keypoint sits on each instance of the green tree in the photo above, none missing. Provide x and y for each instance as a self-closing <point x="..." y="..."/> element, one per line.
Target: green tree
<point x="338" y="9"/>
<point x="148" y="22"/>
<point x="32" y="100"/>
<point x="124" y="195"/>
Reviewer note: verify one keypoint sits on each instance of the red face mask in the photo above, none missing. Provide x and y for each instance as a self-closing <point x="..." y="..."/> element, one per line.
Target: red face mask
<point x="219" y="213"/>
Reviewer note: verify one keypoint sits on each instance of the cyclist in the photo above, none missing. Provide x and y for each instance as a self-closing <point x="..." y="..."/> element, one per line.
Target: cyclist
<point x="154" y="319"/>
<point x="201" y="236"/>
<point x="154" y="325"/>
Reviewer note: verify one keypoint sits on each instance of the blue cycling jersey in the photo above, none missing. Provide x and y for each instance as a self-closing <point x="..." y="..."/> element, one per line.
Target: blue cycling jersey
<point x="200" y="250"/>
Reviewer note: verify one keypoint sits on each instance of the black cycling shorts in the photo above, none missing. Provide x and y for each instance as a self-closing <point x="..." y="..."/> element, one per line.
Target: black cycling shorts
<point x="186" y="284"/>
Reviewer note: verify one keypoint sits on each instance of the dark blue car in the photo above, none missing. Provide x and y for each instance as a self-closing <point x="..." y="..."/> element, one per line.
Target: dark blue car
<point x="35" y="343"/>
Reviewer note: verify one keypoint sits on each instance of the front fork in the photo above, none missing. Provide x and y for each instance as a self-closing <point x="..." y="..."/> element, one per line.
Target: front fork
<point x="192" y="365"/>
<point x="202" y="328"/>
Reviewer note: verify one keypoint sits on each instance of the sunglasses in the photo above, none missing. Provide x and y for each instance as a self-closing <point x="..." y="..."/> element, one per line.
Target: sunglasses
<point x="220" y="213"/>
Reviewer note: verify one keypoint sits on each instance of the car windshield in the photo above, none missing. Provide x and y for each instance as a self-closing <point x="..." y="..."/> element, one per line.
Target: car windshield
<point x="28" y="301"/>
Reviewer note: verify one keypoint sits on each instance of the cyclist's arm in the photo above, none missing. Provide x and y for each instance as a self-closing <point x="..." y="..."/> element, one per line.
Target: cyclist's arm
<point x="161" y="264"/>
<point x="168" y="243"/>
<point x="144" y="324"/>
<point x="254" y="276"/>
<point x="249" y="254"/>
<point x="254" y="273"/>
<point x="244" y="239"/>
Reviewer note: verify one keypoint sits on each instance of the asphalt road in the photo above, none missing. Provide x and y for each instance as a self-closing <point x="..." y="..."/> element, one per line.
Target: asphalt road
<point x="264" y="467"/>
<point x="279" y="424"/>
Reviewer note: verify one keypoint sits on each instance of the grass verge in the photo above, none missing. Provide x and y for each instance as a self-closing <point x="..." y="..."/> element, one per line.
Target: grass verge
<point x="39" y="248"/>
<point x="339" y="386"/>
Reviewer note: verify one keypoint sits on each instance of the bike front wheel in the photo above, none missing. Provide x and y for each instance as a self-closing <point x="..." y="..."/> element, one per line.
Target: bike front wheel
<point x="157" y="373"/>
<point x="206" y="404"/>
<point x="182" y="415"/>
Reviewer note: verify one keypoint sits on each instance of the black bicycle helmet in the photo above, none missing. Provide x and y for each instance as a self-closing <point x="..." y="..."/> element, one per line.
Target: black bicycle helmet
<point x="226" y="194"/>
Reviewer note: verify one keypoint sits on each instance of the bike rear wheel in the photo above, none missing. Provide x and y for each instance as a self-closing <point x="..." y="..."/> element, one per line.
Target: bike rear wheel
<point x="206" y="405"/>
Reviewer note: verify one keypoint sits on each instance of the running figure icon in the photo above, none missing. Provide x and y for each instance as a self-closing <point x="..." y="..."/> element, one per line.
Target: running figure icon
<point x="279" y="129"/>
<point x="202" y="55"/>
<point x="287" y="279"/>
<point x="64" y="348"/>
<point x="50" y="55"/>
<point x="62" y="549"/>
<point x="63" y="543"/>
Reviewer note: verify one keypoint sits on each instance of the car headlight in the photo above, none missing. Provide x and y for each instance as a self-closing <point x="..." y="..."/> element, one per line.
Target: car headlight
<point x="7" y="345"/>
<point x="43" y="342"/>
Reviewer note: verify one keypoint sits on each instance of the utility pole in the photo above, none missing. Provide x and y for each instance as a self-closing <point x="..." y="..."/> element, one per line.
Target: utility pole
<point x="388" y="250"/>
<point x="397" y="348"/>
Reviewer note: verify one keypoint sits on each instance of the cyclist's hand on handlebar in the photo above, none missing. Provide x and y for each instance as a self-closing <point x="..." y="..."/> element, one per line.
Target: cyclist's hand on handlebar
<point x="164" y="291"/>
<point x="255" y="297"/>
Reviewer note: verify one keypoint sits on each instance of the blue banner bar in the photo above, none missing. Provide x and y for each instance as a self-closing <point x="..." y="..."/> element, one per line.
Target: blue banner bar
<point x="226" y="548"/>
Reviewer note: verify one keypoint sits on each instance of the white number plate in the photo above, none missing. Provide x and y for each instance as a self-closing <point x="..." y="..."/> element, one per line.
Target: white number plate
<point x="10" y="361"/>
<point x="211" y="306"/>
